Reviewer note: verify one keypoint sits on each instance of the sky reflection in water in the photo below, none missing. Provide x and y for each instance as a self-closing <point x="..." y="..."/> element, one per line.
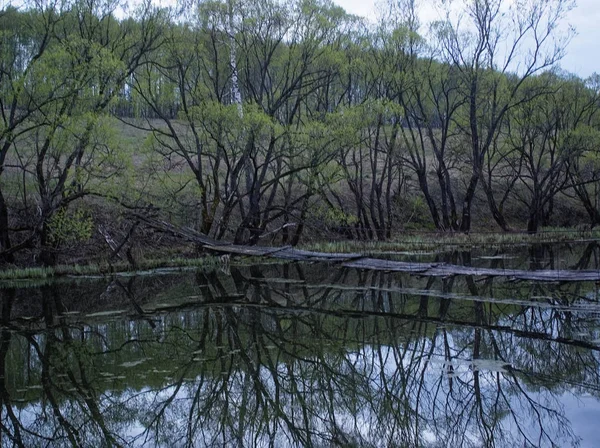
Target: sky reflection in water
<point x="304" y="355"/>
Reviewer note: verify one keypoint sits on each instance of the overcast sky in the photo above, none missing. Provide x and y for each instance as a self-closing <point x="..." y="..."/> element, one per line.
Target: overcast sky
<point x="583" y="53"/>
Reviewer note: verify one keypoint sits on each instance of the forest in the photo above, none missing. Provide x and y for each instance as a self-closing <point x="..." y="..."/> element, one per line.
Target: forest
<point x="256" y="121"/>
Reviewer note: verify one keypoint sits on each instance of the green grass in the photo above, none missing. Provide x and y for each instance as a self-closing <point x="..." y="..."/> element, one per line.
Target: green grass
<point x="451" y="241"/>
<point x="31" y="273"/>
<point x="401" y="243"/>
<point x="25" y="273"/>
<point x="19" y="277"/>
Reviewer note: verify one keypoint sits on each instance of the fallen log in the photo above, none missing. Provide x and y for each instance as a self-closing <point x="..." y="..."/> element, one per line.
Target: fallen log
<point x="221" y="247"/>
<point x="444" y="270"/>
<point x="285" y="253"/>
<point x="359" y="261"/>
<point x="305" y="255"/>
<point x="182" y="232"/>
<point x="249" y="251"/>
<point x="377" y="264"/>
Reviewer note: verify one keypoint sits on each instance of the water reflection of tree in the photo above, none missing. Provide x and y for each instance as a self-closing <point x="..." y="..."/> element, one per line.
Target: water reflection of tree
<point x="372" y="363"/>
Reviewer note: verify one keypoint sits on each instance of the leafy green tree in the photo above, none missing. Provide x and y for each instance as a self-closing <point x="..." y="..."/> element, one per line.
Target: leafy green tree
<point x="243" y="158"/>
<point x="88" y="56"/>
<point x="494" y="51"/>
<point x="584" y="140"/>
<point x="25" y="38"/>
<point x="550" y="141"/>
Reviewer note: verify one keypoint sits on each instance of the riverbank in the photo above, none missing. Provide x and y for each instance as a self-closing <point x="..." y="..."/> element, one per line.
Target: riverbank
<point x="406" y="244"/>
<point x="439" y="240"/>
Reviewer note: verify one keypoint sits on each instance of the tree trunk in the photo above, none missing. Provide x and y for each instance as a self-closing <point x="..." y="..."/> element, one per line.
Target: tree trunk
<point x="430" y="202"/>
<point x="4" y="234"/>
<point x="465" y="224"/>
<point x="449" y="217"/>
<point x="533" y="222"/>
<point x="496" y="212"/>
<point x="590" y="208"/>
<point x="47" y="253"/>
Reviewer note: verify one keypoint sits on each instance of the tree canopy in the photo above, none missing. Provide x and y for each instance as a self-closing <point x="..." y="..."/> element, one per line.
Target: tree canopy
<point x="259" y="118"/>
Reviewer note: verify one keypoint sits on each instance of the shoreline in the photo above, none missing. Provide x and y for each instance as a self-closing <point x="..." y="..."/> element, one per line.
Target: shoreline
<point x="404" y="245"/>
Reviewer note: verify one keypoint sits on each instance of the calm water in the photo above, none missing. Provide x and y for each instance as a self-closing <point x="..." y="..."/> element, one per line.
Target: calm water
<point x="306" y="355"/>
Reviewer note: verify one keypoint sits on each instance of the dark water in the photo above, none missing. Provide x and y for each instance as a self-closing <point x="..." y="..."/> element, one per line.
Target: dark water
<point x="305" y="355"/>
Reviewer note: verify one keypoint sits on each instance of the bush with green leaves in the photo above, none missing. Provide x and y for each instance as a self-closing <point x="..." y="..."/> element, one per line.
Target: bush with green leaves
<point x="68" y="228"/>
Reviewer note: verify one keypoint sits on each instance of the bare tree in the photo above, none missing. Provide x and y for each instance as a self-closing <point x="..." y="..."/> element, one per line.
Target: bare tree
<point x="495" y="46"/>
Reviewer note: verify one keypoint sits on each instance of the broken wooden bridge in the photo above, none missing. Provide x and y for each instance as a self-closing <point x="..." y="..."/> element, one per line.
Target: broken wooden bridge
<point x="361" y="261"/>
